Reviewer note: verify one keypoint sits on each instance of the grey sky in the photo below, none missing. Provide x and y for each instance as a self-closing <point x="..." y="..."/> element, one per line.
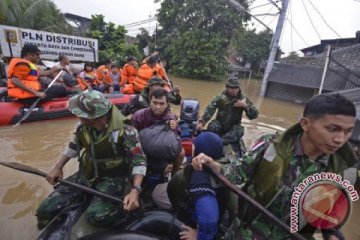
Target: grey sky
<point x="341" y="15"/>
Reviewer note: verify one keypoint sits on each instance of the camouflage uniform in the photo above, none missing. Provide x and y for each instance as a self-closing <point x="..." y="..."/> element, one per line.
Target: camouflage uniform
<point x="106" y="160"/>
<point x="279" y="168"/>
<point x="142" y="101"/>
<point x="228" y="119"/>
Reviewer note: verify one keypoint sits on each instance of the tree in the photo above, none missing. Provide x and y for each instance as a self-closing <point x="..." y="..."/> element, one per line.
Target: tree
<point x="253" y="47"/>
<point x="111" y="40"/>
<point x="195" y="35"/>
<point x="39" y="15"/>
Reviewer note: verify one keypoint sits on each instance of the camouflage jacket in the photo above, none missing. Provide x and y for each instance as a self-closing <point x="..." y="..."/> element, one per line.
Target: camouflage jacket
<point x="114" y="151"/>
<point x="271" y="175"/>
<point x="227" y="114"/>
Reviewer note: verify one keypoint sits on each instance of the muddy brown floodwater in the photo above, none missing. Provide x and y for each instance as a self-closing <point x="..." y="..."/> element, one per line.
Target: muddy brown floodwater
<point x="40" y="144"/>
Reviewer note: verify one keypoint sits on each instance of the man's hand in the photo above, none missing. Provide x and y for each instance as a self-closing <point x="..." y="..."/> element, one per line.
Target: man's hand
<point x="54" y="174"/>
<point x="155" y="53"/>
<point x="57" y="69"/>
<point x="172" y="124"/>
<point x="200" y="125"/>
<point x="40" y="94"/>
<point x="240" y="103"/>
<point x="333" y="237"/>
<point x="176" y="90"/>
<point x="188" y="233"/>
<point x="131" y="200"/>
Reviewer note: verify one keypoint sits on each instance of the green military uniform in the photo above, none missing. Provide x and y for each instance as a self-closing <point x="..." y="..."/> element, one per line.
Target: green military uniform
<point x="228" y="119"/>
<point x="279" y="169"/>
<point x="106" y="161"/>
<point x="142" y="101"/>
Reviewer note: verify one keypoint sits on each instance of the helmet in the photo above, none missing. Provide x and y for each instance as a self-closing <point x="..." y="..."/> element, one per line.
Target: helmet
<point x="89" y="104"/>
<point x="155" y="80"/>
<point x="232" y="82"/>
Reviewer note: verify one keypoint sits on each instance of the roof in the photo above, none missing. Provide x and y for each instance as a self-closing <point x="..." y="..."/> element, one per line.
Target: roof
<point x="348" y="56"/>
<point x="76" y="17"/>
<point x="336" y="41"/>
<point x="310" y="77"/>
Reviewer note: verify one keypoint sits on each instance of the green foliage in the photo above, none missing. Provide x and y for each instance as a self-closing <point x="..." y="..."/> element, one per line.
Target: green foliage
<point x="293" y="55"/>
<point x="253" y="47"/>
<point x="195" y="35"/>
<point x="39" y="15"/>
<point x="111" y="40"/>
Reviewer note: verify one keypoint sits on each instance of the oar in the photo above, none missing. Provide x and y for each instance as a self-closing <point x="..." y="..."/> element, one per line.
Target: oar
<point x="254" y="203"/>
<point x="27" y="114"/>
<point x="28" y="169"/>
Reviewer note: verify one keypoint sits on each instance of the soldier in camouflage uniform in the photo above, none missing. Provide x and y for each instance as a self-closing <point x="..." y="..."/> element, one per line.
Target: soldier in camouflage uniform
<point x="110" y="160"/>
<point x="317" y="144"/>
<point x="142" y="101"/>
<point x="231" y="103"/>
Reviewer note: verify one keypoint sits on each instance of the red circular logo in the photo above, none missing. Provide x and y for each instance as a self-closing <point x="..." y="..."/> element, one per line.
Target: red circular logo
<point x="325" y="205"/>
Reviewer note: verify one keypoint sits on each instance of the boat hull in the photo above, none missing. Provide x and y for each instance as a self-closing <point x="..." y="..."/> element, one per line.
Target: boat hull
<point x="11" y="111"/>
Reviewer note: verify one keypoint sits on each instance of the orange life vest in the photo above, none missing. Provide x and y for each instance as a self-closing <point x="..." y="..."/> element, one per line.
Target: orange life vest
<point x="28" y="74"/>
<point x="144" y="74"/>
<point x="87" y="78"/>
<point x="129" y="74"/>
<point x="161" y="71"/>
<point x="102" y="73"/>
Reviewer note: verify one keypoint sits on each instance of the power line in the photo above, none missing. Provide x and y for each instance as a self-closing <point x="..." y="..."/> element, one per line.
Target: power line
<point x="296" y="31"/>
<point x="310" y="20"/>
<point x="323" y="18"/>
<point x="267" y="14"/>
<point x="262" y="5"/>
<point x="140" y="22"/>
<point x="263" y="18"/>
<point x="273" y="3"/>
<point x="291" y="29"/>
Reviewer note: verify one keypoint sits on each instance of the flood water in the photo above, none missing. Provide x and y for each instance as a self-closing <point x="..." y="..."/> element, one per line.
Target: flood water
<point x="40" y="145"/>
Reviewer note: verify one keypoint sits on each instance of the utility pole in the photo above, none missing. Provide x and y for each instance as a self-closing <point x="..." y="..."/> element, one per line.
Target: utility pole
<point x="274" y="46"/>
<point x="328" y="52"/>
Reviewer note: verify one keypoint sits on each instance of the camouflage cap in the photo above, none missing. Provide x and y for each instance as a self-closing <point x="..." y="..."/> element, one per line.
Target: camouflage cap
<point x="155" y="80"/>
<point x="232" y="82"/>
<point x="89" y="104"/>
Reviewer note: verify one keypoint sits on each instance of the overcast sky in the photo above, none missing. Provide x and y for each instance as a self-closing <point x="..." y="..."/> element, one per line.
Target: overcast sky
<point x="341" y="15"/>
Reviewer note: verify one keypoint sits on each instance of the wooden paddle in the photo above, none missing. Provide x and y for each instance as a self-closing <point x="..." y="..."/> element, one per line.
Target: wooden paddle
<point x="254" y="203"/>
<point x="31" y="108"/>
<point x="28" y="169"/>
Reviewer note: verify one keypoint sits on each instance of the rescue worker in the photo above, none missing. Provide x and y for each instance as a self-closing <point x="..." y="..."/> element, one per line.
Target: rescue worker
<point x="129" y="73"/>
<point x="145" y="72"/>
<point x="142" y="101"/>
<point x="230" y="104"/>
<point x="23" y="77"/>
<point x="317" y="144"/>
<point x="111" y="149"/>
<point x="103" y="76"/>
